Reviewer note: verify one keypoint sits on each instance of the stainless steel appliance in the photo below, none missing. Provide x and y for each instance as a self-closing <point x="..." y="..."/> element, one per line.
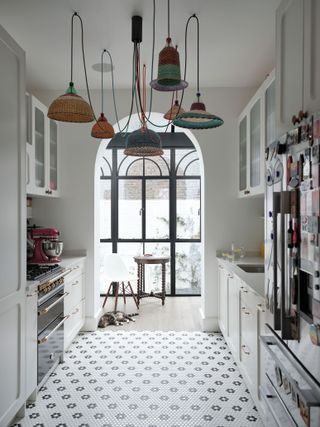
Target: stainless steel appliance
<point x="51" y="317"/>
<point x="292" y="277"/>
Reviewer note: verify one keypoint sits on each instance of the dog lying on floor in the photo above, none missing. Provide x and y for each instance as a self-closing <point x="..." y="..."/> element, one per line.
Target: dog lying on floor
<point x="116" y="318"/>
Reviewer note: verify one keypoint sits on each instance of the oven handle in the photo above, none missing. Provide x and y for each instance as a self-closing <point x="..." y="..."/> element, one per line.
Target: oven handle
<point x="45" y="338"/>
<point x="45" y="310"/>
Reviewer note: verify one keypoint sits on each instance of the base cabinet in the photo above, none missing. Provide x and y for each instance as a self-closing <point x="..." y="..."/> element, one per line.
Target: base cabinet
<point x="74" y="303"/>
<point x="242" y="321"/>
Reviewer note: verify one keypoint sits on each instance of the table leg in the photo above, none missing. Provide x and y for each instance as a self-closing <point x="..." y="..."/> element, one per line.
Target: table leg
<point x="163" y="296"/>
<point x="139" y="284"/>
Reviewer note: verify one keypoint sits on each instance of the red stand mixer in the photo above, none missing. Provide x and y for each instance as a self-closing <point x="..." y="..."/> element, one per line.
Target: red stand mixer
<point x="47" y="247"/>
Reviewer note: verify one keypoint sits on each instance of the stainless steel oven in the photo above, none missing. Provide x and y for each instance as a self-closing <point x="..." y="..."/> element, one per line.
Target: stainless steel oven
<point x="50" y="327"/>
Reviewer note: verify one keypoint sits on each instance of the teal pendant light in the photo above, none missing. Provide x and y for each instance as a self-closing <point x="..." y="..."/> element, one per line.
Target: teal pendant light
<point x="197" y="117"/>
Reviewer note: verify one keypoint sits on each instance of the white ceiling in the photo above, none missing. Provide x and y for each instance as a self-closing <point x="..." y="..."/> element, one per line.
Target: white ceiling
<point x="237" y="38"/>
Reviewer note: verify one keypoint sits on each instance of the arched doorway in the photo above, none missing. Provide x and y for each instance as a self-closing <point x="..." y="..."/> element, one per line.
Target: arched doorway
<point x="152" y="205"/>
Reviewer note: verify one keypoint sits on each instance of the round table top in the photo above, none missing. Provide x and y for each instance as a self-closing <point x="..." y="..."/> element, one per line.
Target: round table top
<point x="151" y="259"/>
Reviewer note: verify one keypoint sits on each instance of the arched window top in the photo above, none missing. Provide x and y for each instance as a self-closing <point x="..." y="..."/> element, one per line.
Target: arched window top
<point x="187" y="163"/>
<point x="149" y="166"/>
<point x="105" y="163"/>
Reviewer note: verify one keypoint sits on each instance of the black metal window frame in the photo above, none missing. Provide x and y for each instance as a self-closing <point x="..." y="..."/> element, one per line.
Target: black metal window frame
<point x="172" y="177"/>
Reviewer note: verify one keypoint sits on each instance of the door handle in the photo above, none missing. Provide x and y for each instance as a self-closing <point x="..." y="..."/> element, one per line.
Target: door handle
<point x="45" y="338"/>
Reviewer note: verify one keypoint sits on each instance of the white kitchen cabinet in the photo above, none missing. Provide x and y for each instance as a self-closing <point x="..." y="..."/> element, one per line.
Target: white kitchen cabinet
<point x="234" y="318"/>
<point x="256" y="126"/>
<point x="13" y="229"/>
<point x="31" y="342"/>
<point x="42" y="151"/>
<point x="223" y="300"/>
<point x="74" y="302"/>
<point x="297" y="61"/>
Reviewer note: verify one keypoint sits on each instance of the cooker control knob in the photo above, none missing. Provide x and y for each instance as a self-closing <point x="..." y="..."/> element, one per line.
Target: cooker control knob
<point x="316" y="273"/>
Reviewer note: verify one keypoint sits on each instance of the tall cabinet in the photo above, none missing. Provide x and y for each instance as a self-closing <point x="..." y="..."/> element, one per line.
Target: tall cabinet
<point x="42" y="176"/>
<point x="297" y="60"/>
<point x="13" y="228"/>
<point x="256" y="128"/>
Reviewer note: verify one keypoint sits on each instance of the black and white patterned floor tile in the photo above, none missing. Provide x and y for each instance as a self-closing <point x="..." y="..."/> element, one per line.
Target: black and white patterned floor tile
<point x="144" y="379"/>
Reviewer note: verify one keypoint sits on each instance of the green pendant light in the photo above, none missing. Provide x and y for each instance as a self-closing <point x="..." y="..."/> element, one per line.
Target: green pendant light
<point x="169" y="74"/>
<point x="71" y="107"/>
<point x="197" y="117"/>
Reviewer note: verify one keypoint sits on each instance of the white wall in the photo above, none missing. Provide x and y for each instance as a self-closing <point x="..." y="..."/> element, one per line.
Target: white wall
<point x="226" y="218"/>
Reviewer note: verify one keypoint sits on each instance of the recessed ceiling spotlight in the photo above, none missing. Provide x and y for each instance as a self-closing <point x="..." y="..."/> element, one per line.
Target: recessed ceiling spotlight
<point x="105" y="67"/>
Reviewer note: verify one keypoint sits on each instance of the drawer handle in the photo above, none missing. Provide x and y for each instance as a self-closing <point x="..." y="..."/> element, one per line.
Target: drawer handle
<point x="230" y="276"/>
<point x="76" y="311"/>
<point x="247" y="192"/>
<point x="245" y="311"/>
<point x="220" y="266"/>
<point x="244" y="289"/>
<point x="244" y="350"/>
<point x="45" y="339"/>
<point x="76" y="268"/>
<point x="45" y="310"/>
<point x="75" y="283"/>
<point x="261" y="308"/>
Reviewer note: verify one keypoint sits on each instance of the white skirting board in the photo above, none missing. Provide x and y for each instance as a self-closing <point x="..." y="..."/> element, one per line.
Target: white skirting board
<point x="209" y="324"/>
<point x="91" y="323"/>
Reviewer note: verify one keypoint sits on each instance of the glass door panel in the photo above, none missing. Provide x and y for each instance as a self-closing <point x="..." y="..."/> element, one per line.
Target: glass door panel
<point x="128" y="251"/>
<point x="105" y="209"/>
<point x="130" y="208"/>
<point x="157" y="209"/>
<point x="39" y="130"/>
<point x="243" y="154"/>
<point x="270" y="114"/>
<point x="188" y="268"/>
<point x="188" y="209"/>
<point x="105" y="250"/>
<point x="153" y="273"/>
<point x="53" y="183"/>
<point x="255" y="151"/>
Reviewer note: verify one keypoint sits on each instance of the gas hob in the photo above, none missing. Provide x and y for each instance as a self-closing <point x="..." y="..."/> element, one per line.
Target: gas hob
<point x="42" y="272"/>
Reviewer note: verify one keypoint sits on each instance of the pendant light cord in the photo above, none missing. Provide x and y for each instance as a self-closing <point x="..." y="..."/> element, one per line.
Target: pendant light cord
<point x="102" y="53"/>
<point x="168" y="19"/>
<point x="194" y="16"/>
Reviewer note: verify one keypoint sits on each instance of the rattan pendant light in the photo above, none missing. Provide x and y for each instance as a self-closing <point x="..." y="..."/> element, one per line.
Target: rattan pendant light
<point x="102" y="128"/>
<point x="175" y="109"/>
<point x="71" y="107"/>
<point x="143" y="142"/>
<point x="197" y="117"/>
<point x="169" y="73"/>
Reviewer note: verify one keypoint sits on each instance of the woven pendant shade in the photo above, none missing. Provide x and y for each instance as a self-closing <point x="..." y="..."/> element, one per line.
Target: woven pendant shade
<point x="169" y="74"/>
<point x="102" y="129"/>
<point x="143" y="143"/>
<point x="197" y="118"/>
<point x="70" y="107"/>
<point x="174" y="111"/>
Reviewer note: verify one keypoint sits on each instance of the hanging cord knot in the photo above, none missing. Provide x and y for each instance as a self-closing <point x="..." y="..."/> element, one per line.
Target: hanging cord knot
<point x="168" y="40"/>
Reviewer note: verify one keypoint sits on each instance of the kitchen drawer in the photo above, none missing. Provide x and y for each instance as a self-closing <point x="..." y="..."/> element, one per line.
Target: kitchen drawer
<point x="76" y="293"/>
<point x="74" y="323"/>
<point x="249" y="296"/>
<point x="248" y="319"/>
<point x="76" y="269"/>
<point x="249" y="365"/>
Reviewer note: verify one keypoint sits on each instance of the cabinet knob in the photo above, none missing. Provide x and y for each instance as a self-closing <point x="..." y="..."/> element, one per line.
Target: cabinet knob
<point x="244" y="350"/>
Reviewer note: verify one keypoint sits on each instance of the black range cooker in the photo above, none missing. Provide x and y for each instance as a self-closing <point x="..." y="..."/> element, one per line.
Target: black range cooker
<point x="51" y="317"/>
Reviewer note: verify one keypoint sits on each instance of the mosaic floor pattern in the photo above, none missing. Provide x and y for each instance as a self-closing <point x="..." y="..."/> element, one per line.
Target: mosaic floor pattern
<point x="144" y="379"/>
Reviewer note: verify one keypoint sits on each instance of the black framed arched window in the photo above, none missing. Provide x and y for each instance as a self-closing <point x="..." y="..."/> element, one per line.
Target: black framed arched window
<point x="152" y="205"/>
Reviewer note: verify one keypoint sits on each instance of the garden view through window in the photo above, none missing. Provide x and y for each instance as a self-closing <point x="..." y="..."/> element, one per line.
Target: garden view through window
<point x="152" y="206"/>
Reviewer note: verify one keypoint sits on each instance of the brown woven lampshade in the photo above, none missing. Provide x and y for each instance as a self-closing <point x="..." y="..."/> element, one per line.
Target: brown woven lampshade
<point x="174" y="111"/>
<point x="102" y="128"/>
<point x="70" y="107"/>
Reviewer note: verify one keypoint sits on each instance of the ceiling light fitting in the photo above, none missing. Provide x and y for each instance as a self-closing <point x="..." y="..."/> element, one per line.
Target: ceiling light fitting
<point x="102" y="129"/>
<point x="71" y="107"/>
<point x="197" y="117"/>
<point x="169" y="74"/>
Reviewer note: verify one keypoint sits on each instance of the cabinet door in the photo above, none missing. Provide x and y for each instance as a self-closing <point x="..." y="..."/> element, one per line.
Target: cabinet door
<point x="311" y="55"/>
<point x="53" y="179"/>
<point x="255" y="165"/>
<point x="289" y="63"/>
<point x="262" y="330"/>
<point x="223" y="301"/>
<point x="234" y="315"/>
<point x="243" y="147"/>
<point x="270" y="112"/>
<point x="13" y="228"/>
<point x="31" y="342"/>
<point x="39" y="136"/>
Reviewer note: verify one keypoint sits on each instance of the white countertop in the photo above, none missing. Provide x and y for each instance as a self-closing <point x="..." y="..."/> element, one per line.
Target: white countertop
<point x="254" y="280"/>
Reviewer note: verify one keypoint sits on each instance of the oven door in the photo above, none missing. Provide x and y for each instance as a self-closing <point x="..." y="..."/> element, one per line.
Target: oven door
<point x="50" y="310"/>
<point x="50" y="346"/>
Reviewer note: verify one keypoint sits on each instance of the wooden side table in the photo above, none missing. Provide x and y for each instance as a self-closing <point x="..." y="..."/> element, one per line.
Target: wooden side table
<point x="152" y="259"/>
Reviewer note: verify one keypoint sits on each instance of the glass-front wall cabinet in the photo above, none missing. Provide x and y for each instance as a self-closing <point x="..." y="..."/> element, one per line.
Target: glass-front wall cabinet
<point x="42" y="151"/>
<point x="255" y="144"/>
<point x="243" y="154"/>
